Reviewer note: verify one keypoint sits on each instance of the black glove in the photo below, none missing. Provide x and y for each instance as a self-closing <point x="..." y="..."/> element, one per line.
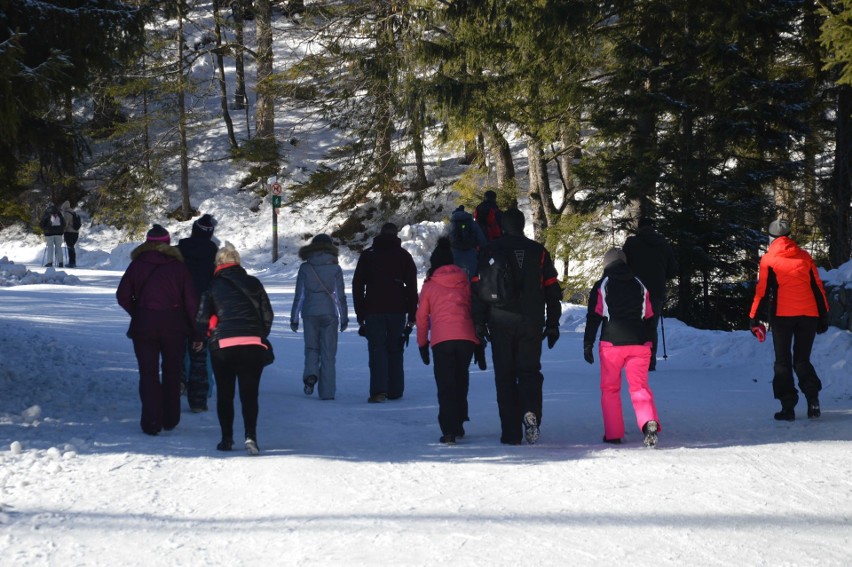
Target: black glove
<point x="552" y="335"/>
<point x="587" y="353"/>
<point x="343" y="324"/>
<point x="822" y="326"/>
<point x="479" y="356"/>
<point x="482" y="334"/>
<point x="752" y="325"/>
<point x="362" y="329"/>
<point x="424" y="354"/>
<point x="406" y="335"/>
<point x="294" y="325"/>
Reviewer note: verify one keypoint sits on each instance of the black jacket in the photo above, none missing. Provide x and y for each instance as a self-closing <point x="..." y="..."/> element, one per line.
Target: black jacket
<point x="652" y="260"/>
<point x="623" y="304"/>
<point x="240" y="304"/>
<point x="385" y="280"/>
<point x="48" y="228"/>
<point x="199" y="255"/>
<point x="540" y="297"/>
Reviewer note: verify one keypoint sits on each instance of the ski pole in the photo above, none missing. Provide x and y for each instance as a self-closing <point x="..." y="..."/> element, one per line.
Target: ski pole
<point x="663" y="329"/>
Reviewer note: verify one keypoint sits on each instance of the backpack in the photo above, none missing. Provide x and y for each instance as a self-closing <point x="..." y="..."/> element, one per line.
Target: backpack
<point x="462" y="235"/>
<point x="490" y="226"/>
<point x="76" y="221"/>
<point x="498" y="280"/>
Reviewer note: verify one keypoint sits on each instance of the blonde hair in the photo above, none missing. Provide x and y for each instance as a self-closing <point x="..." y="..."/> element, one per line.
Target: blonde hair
<point x="227" y="254"/>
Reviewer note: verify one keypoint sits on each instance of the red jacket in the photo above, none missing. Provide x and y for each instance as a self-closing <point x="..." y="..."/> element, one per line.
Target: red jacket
<point x="791" y="274"/>
<point x="443" y="313"/>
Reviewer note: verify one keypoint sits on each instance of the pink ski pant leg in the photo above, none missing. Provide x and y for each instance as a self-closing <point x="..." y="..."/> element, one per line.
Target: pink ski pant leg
<point x="612" y="361"/>
<point x="636" y="361"/>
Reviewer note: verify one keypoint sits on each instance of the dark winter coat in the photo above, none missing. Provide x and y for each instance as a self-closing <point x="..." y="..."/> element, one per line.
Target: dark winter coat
<point x="319" y="285"/>
<point x="623" y="304"/>
<point x="47" y="226"/>
<point x="539" y="302"/>
<point x="199" y="255"/>
<point x="652" y="260"/>
<point x="157" y="291"/>
<point x="239" y="303"/>
<point x="466" y="258"/>
<point x="385" y="280"/>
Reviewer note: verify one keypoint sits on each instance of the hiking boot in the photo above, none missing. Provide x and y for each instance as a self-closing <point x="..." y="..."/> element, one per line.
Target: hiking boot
<point x="460" y="431"/>
<point x="813" y="408"/>
<point x="201" y="409"/>
<point x="787" y="414"/>
<point x="448" y="439"/>
<point x="612" y="441"/>
<point x="251" y="446"/>
<point x="310" y="381"/>
<point x="377" y="399"/>
<point x="531" y="430"/>
<point x="226" y="444"/>
<point x="650" y="430"/>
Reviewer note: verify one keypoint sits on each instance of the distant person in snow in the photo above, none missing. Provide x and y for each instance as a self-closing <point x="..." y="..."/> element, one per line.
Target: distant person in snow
<point x="652" y="260"/>
<point x="621" y="304"/>
<point x="72" y="232"/>
<point x="158" y="293"/>
<point x="199" y="255"/>
<point x="236" y="313"/>
<point x="384" y="293"/>
<point x="466" y="238"/>
<point x="445" y="322"/>
<point x="53" y="226"/>
<point x="790" y="291"/>
<point x="488" y="215"/>
<point x="320" y="299"/>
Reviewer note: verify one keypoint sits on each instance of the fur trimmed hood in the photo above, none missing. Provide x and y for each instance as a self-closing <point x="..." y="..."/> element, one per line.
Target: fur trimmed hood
<point x="314" y="248"/>
<point x="161" y="247"/>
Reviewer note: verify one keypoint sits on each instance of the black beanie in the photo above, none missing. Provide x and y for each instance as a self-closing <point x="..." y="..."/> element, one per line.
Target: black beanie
<point x="205" y="224"/>
<point x="158" y="234"/>
<point x="442" y="255"/>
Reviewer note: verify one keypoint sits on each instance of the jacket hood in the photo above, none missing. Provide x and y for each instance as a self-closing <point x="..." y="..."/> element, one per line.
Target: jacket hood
<point x="387" y="242"/>
<point x="315" y="248"/>
<point x="618" y="270"/>
<point x="66" y="206"/>
<point x="461" y="215"/>
<point x="783" y="246"/>
<point x="450" y="276"/>
<point x="170" y="252"/>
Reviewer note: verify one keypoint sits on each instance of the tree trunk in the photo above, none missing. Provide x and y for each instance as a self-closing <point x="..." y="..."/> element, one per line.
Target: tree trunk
<point x="539" y="189"/>
<point x="417" y="121"/>
<point x="240" y="101"/>
<point x="840" y="191"/>
<point x="223" y="88"/>
<point x="502" y="155"/>
<point x="186" y="206"/>
<point x="265" y="108"/>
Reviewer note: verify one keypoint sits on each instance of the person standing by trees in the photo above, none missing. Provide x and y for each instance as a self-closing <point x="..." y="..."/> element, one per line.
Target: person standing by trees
<point x="651" y="258"/>
<point x="320" y="298"/>
<point x="72" y="232"/>
<point x="621" y="302"/>
<point x="489" y="216"/>
<point x="53" y="225"/>
<point x="515" y="327"/>
<point x="444" y="320"/>
<point x="384" y="294"/>
<point x="199" y="255"/>
<point x="797" y="311"/>
<point x="466" y="238"/>
<point x="157" y="292"/>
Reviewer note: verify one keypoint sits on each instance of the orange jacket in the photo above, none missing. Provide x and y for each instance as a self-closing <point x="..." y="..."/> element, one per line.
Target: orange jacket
<point x="791" y="274"/>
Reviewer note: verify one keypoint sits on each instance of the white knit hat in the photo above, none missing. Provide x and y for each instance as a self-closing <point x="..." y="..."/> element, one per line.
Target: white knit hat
<point x="614" y="255"/>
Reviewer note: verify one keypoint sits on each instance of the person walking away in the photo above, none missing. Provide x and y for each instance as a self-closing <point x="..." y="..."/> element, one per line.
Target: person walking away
<point x="53" y="226"/>
<point x="384" y="294"/>
<point x="651" y="258"/>
<point x="236" y="313"/>
<point x="790" y="290"/>
<point x="466" y="238"/>
<point x="320" y="299"/>
<point x="199" y="255"/>
<point x="157" y="291"/>
<point x="445" y="321"/>
<point x="489" y="217"/>
<point x="515" y="327"/>
<point x="72" y="232"/>
<point x="621" y="305"/>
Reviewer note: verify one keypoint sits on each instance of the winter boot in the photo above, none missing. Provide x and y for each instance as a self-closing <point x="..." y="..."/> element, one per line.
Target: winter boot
<point x="251" y="446"/>
<point x="226" y="444"/>
<point x="448" y="439"/>
<point x="612" y="441"/>
<point x="310" y="381"/>
<point x="531" y="430"/>
<point x="813" y="407"/>
<point x="650" y="430"/>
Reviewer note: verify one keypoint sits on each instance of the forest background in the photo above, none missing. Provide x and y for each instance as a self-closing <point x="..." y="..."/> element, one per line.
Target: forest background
<point x="712" y="118"/>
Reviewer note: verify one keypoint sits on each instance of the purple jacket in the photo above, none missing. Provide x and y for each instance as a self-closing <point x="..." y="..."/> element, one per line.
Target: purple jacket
<point x="158" y="293"/>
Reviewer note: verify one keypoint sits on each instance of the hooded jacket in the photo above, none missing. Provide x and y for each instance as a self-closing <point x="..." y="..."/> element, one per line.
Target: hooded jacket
<point x="622" y="304"/>
<point x="239" y="303"/>
<point x="199" y="255"/>
<point x="651" y="259"/>
<point x="47" y="226"/>
<point x="789" y="278"/>
<point x="319" y="285"/>
<point x="385" y="280"/>
<point x="443" y="312"/>
<point x="157" y="291"/>
<point x="68" y="217"/>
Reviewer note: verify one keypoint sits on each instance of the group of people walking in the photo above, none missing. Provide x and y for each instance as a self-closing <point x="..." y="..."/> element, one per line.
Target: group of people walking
<point x="197" y="297"/>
